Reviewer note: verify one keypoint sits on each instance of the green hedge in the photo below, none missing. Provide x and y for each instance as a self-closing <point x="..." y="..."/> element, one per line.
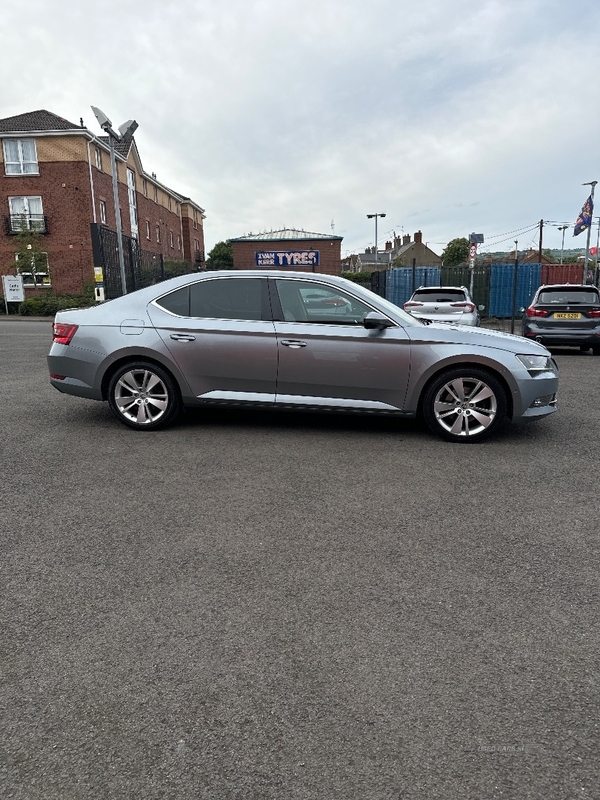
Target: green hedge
<point x="364" y="278"/>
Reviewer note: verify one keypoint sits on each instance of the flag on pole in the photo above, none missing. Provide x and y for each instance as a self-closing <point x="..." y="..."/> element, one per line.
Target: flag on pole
<point x="584" y="220"/>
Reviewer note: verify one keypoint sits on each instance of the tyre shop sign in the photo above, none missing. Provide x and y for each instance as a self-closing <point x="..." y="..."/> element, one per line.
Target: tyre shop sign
<point x="287" y="258"/>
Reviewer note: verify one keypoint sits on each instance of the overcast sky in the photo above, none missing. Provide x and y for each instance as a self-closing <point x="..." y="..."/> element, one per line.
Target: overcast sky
<point x="450" y="116"/>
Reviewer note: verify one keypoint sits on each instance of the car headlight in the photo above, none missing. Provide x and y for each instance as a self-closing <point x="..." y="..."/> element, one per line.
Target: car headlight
<point x="535" y="364"/>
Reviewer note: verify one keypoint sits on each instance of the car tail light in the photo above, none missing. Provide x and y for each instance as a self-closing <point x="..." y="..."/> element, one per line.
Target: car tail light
<point x="594" y="312"/>
<point x="532" y="311"/>
<point x="411" y="304"/>
<point x="62" y="332"/>
<point x="468" y="307"/>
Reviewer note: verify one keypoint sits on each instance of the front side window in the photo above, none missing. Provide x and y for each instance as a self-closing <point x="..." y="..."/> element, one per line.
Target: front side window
<point x="26" y="214"/>
<point x="20" y="157"/>
<point x="305" y="301"/>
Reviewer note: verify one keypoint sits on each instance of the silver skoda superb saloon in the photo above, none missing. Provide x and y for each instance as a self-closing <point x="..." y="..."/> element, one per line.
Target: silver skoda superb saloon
<point x="294" y="340"/>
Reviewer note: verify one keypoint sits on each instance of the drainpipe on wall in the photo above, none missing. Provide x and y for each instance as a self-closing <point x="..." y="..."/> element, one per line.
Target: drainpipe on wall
<point x="91" y="182"/>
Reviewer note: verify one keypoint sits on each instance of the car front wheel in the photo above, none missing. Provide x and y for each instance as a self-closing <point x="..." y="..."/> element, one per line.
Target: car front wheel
<point x="143" y="396"/>
<point x="464" y="405"/>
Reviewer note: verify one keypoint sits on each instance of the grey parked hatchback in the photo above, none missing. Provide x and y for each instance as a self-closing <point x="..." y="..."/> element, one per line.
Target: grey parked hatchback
<point x="294" y="340"/>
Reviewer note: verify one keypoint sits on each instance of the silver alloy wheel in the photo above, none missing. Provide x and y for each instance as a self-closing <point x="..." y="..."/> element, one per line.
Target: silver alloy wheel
<point x="465" y="406"/>
<point x="141" y="396"/>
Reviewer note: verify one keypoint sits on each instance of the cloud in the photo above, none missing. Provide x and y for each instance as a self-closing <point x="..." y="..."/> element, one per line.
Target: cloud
<point x="448" y="116"/>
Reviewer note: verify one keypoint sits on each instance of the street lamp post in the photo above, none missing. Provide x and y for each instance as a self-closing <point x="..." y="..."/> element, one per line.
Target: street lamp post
<point x="374" y="216"/>
<point x="562" y="228"/>
<point x="126" y="131"/>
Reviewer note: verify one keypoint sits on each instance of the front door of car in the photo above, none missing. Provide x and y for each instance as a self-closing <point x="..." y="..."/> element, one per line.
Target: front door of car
<point x="219" y="333"/>
<point x="326" y="355"/>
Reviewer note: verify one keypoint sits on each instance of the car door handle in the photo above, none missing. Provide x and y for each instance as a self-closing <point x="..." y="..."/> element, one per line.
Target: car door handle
<point x="183" y="337"/>
<point x="295" y="343"/>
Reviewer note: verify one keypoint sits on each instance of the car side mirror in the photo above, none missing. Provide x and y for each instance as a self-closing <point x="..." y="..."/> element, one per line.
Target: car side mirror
<point x="377" y="321"/>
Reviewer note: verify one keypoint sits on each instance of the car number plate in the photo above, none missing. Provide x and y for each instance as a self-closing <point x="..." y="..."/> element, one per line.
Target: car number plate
<point x="560" y="315"/>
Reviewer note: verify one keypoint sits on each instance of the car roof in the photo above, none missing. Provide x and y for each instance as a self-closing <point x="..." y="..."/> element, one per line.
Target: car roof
<point x="442" y="288"/>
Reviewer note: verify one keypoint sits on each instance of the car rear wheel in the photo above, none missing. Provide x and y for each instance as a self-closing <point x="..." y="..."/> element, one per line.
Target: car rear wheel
<point x="464" y="405"/>
<point x="596" y="350"/>
<point x="143" y="396"/>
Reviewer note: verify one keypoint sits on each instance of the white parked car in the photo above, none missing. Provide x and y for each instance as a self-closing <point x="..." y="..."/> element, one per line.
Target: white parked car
<point x="443" y="304"/>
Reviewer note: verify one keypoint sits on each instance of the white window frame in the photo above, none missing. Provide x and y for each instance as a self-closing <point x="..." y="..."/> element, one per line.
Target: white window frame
<point x="22" y="162"/>
<point x="179" y="241"/>
<point x="171" y="240"/>
<point x="102" y="212"/>
<point x="26" y="215"/>
<point x="30" y="278"/>
<point x="148" y="231"/>
<point x="158" y="233"/>
<point x="98" y="157"/>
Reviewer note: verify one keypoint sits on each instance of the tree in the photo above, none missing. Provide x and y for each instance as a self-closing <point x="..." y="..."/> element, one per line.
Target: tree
<point x="29" y="259"/>
<point x="456" y="252"/>
<point x="221" y="256"/>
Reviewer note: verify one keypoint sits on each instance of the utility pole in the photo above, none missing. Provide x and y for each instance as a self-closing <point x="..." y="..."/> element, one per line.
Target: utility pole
<point x="514" y="287"/>
<point x="541" y="233"/>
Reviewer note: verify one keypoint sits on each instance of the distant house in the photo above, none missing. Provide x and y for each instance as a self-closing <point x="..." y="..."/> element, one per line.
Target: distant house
<point x="288" y="248"/>
<point x="402" y="249"/>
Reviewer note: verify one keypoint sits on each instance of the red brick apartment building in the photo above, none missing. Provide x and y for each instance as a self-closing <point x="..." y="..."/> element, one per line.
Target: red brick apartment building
<point x="56" y="180"/>
<point x="289" y="249"/>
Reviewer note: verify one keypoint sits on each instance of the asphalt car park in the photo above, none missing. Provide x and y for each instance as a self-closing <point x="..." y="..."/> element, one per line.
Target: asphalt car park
<point x="260" y="605"/>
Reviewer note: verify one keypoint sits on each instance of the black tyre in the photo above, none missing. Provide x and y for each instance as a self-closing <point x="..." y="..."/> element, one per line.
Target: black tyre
<point x="596" y="349"/>
<point x="464" y="405"/>
<point x="143" y="396"/>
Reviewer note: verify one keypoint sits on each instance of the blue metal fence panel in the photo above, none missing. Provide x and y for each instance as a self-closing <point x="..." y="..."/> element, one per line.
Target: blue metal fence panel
<point x="501" y="287"/>
<point x="399" y="285"/>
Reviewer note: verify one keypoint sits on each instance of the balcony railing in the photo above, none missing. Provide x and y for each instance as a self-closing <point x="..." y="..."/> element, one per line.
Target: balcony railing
<point x="18" y="223"/>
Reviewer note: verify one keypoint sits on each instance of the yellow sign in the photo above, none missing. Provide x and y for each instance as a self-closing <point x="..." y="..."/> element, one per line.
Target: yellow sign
<point x="98" y="275"/>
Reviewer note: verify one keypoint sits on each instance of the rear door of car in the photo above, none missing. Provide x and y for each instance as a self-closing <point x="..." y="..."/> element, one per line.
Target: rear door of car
<point x="220" y="334"/>
<point x="326" y="355"/>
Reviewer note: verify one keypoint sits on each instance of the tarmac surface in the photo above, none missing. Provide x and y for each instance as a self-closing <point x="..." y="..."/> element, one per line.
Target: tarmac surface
<point x="262" y="606"/>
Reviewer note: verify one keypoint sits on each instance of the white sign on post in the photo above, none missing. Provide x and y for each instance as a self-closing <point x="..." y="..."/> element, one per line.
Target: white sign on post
<point x="13" y="288"/>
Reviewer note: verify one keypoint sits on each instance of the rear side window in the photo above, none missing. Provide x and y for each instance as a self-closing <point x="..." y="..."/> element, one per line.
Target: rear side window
<point x="227" y="298"/>
<point x="177" y="302"/>
<point x="567" y="295"/>
<point x="439" y="296"/>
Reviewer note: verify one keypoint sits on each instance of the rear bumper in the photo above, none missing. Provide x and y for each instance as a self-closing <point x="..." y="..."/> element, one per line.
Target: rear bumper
<point x="560" y="336"/>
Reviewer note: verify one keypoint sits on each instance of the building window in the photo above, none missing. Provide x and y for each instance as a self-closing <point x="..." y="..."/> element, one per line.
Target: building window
<point x="34" y="268"/>
<point x="196" y="244"/>
<point x="102" y="212"/>
<point x="155" y="195"/>
<point x="170" y="204"/>
<point x="20" y="157"/>
<point x="131" y="194"/>
<point x="98" y="157"/>
<point x="158" y="233"/>
<point x="171" y="239"/>
<point x="26" y="214"/>
<point x="178" y="241"/>
<point x="147" y="229"/>
<point x="145" y="187"/>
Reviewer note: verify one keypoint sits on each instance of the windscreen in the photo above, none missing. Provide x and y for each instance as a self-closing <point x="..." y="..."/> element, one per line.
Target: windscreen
<point x="439" y="296"/>
<point x="569" y="296"/>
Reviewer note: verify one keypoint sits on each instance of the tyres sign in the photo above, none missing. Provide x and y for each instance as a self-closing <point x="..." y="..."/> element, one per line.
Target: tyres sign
<point x="287" y="258"/>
